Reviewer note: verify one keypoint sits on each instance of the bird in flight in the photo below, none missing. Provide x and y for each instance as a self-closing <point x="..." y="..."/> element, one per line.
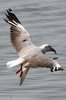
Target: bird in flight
<point x="30" y="56"/>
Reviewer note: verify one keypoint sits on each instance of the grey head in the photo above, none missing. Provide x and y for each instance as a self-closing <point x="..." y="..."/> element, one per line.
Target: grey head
<point x="47" y="48"/>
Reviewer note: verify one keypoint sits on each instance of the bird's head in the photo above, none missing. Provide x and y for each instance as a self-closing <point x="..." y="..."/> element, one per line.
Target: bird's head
<point x="47" y="48"/>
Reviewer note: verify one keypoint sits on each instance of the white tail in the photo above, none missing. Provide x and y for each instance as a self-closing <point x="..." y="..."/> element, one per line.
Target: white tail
<point x="14" y="63"/>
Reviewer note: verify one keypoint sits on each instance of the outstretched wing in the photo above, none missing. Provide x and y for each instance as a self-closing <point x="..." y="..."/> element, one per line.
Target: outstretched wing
<point x="41" y="60"/>
<point x="20" y="38"/>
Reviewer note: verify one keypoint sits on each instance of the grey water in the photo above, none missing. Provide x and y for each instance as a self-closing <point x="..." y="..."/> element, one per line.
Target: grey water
<point x="45" y="20"/>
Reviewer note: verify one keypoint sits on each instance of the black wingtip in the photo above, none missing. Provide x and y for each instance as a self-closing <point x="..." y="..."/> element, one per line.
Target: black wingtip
<point x="55" y="58"/>
<point x="10" y="9"/>
<point x="59" y="69"/>
<point x="5" y="20"/>
<point x="11" y="16"/>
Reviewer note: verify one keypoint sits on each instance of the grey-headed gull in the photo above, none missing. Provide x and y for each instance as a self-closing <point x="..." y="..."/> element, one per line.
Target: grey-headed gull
<point x="29" y="54"/>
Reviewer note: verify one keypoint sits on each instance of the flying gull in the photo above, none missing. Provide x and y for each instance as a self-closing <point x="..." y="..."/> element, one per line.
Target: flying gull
<point x="29" y="54"/>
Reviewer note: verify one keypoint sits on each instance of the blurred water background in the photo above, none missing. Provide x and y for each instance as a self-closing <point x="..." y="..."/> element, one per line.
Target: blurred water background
<point x="45" y="20"/>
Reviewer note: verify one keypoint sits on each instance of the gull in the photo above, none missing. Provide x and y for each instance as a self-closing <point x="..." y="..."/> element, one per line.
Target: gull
<point x="30" y="56"/>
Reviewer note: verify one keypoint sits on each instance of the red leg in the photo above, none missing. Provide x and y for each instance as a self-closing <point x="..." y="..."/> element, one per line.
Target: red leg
<point x="21" y="73"/>
<point x="20" y="70"/>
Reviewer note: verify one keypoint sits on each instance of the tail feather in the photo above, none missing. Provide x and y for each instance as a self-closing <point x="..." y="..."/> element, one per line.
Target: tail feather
<point x="24" y="75"/>
<point x="14" y="63"/>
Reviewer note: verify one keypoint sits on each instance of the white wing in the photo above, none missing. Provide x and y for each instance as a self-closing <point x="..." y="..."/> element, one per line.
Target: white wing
<point x="20" y="38"/>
